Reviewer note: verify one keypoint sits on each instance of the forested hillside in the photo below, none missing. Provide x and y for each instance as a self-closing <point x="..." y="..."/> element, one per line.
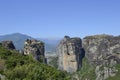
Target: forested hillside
<point x="14" y="66"/>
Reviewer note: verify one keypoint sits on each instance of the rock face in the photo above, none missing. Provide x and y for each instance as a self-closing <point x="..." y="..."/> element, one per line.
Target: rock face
<point x="8" y="45"/>
<point x="103" y="51"/>
<point x="34" y="47"/>
<point x="70" y="54"/>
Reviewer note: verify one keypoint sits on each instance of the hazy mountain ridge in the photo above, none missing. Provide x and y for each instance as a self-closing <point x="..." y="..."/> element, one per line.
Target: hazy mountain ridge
<point x="19" y="39"/>
<point x="50" y="44"/>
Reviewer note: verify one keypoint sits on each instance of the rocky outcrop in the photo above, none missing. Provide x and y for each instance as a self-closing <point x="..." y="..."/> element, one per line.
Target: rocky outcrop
<point x="34" y="47"/>
<point x="8" y="45"/>
<point x="103" y="51"/>
<point x="70" y="54"/>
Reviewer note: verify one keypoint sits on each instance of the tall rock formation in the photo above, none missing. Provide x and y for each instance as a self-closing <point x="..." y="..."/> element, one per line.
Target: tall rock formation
<point x="70" y="54"/>
<point x="8" y="45"/>
<point x="34" y="47"/>
<point x="103" y="51"/>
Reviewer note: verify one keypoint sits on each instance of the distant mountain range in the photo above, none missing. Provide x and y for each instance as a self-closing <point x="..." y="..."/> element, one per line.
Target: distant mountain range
<point x="19" y="39"/>
<point x="50" y="44"/>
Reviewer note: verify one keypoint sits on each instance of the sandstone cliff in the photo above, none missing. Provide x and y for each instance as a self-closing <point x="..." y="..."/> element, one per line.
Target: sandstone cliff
<point x="70" y="56"/>
<point x="34" y="47"/>
<point x="103" y="51"/>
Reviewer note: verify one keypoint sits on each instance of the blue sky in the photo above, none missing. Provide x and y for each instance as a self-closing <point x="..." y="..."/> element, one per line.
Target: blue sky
<point x="56" y="18"/>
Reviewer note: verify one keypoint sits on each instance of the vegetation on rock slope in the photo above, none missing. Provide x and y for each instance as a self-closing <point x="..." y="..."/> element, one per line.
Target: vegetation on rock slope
<point x="117" y="76"/>
<point x="15" y="66"/>
<point x="87" y="72"/>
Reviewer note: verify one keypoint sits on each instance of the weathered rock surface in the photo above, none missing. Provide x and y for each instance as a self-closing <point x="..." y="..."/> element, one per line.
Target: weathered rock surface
<point x="34" y="47"/>
<point x="70" y="54"/>
<point x="103" y="51"/>
<point x="8" y="45"/>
